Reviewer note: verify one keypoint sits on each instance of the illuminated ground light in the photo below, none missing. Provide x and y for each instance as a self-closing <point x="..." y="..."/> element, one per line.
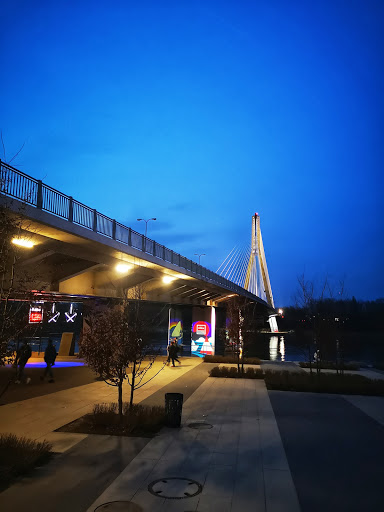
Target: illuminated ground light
<point x="168" y="279"/>
<point x="58" y="364"/>
<point x="23" y="242"/>
<point x="122" y="267"/>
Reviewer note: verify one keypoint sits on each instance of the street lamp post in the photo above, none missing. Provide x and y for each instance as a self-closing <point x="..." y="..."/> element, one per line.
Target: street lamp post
<point x="146" y="224"/>
<point x="199" y="255"/>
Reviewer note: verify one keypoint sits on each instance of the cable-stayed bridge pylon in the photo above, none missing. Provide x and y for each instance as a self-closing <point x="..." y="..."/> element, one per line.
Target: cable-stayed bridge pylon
<point x="247" y="267"/>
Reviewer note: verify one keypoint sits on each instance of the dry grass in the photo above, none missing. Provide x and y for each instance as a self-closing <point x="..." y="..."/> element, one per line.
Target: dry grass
<point x="141" y="420"/>
<point x="18" y="455"/>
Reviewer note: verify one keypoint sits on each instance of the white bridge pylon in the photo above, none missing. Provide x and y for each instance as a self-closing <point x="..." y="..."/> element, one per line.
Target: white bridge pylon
<point x="257" y="271"/>
<point x="248" y="268"/>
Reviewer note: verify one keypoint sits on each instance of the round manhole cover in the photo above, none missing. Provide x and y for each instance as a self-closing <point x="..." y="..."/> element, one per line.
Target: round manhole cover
<point x="119" y="506"/>
<point x="200" y="425"/>
<point x="175" y="488"/>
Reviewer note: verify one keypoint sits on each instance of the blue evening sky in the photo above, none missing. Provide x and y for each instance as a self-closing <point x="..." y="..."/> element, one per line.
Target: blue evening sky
<point x="201" y="113"/>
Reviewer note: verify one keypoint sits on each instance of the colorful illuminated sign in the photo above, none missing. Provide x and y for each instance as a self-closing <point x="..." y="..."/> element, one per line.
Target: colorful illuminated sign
<point x="201" y="328"/>
<point x="70" y="317"/>
<point x="54" y="315"/>
<point x="176" y="330"/>
<point x="202" y="343"/>
<point x="35" y="314"/>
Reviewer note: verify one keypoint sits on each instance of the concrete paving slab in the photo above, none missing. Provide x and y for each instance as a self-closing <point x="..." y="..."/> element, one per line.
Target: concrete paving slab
<point x="63" y="441"/>
<point x="208" y="503"/>
<point x="335" y="451"/>
<point x="371" y="405"/>
<point x="280" y="492"/>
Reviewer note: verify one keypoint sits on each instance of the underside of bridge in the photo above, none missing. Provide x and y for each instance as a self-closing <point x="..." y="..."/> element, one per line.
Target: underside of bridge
<point x="67" y="259"/>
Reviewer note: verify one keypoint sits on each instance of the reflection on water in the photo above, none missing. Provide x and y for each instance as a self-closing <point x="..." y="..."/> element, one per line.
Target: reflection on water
<point x="367" y="347"/>
<point x="273" y="348"/>
<point x="276" y="350"/>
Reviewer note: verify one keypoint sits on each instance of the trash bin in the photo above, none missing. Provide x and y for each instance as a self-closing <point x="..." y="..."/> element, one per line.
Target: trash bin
<point x="173" y="409"/>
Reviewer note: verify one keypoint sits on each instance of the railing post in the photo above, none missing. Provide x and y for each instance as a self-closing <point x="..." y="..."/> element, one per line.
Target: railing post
<point x="154" y="249"/>
<point x="39" y="199"/>
<point x="130" y="237"/>
<point x="143" y="243"/>
<point x="164" y="252"/>
<point x="94" y="220"/>
<point x="70" y="209"/>
<point x="114" y="229"/>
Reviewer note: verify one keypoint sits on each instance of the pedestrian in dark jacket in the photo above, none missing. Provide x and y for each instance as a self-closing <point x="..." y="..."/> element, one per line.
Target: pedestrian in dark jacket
<point x="22" y="356"/>
<point x="172" y="351"/>
<point x="49" y="357"/>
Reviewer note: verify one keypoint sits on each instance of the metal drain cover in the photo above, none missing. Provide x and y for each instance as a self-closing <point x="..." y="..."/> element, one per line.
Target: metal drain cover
<point x="200" y="425"/>
<point x="175" y="488"/>
<point x="119" y="506"/>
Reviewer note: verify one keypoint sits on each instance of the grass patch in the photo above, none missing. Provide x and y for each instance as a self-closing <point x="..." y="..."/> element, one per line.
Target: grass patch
<point x="141" y="420"/>
<point x="324" y="383"/>
<point x="19" y="455"/>
<point x="230" y="359"/>
<point x="331" y="365"/>
<point x="232" y="373"/>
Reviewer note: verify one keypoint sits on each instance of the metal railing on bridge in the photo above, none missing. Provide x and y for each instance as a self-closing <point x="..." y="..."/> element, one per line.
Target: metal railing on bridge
<point x="18" y="185"/>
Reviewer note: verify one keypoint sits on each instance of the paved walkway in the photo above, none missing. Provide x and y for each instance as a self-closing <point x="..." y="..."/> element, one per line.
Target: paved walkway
<point x="240" y="462"/>
<point x="39" y="417"/>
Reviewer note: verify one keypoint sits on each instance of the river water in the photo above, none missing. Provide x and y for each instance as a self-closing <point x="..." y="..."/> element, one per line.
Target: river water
<point x="367" y="348"/>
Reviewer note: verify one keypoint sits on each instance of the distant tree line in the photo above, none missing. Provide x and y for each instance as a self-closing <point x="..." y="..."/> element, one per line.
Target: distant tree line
<point x="350" y="314"/>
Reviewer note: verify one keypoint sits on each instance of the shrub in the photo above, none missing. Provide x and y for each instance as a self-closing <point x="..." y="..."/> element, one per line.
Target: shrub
<point x="254" y="373"/>
<point x="230" y="359"/>
<point x="232" y="373"/>
<point x="18" y="455"/>
<point x="216" y="372"/>
<point x="331" y="365"/>
<point x="323" y="383"/>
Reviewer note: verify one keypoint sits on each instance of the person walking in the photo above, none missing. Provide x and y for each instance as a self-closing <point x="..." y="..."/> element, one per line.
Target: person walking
<point x="22" y="356"/>
<point x="49" y="358"/>
<point x="173" y="349"/>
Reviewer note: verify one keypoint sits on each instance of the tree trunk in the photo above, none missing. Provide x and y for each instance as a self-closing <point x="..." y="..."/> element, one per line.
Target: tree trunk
<point x="309" y="360"/>
<point x="132" y="384"/>
<point x="120" y="388"/>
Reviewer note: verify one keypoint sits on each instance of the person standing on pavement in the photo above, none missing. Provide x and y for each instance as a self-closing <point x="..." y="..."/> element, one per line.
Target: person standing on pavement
<point x="173" y="349"/>
<point x="22" y="356"/>
<point x="49" y="358"/>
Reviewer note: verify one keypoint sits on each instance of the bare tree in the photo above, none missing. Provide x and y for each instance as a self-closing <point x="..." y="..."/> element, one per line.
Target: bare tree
<point x="14" y="284"/>
<point x="115" y="344"/>
<point x="320" y="306"/>
<point x="242" y="327"/>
